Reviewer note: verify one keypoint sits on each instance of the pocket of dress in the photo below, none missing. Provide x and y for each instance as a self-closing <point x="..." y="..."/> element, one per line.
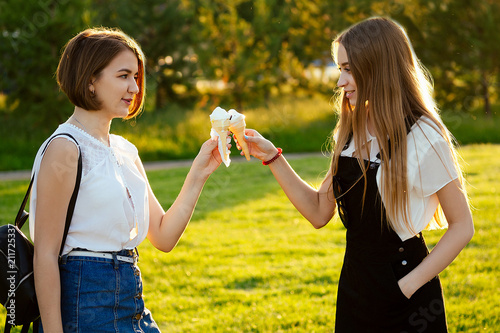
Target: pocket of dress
<point x="395" y="286"/>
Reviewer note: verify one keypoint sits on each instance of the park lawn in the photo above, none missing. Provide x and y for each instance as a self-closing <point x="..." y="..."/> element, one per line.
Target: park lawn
<point x="248" y="262"/>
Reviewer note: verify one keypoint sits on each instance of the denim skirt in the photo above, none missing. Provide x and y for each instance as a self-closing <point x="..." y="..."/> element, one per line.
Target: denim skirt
<point x="103" y="295"/>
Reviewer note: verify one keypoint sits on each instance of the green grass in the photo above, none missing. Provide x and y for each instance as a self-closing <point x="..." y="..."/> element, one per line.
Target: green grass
<point x="298" y="124"/>
<point x="248" y="262"/>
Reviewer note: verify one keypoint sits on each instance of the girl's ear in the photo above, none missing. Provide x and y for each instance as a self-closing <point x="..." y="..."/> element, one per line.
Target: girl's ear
<point x="91" y="86"/>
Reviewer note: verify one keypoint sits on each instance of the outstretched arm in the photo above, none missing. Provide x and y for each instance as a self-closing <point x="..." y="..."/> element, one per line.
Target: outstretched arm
<point x="316" y="205"/>
<point x="166" y="228"/>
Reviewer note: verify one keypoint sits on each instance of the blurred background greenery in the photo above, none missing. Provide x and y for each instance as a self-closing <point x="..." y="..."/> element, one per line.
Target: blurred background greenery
<point x="268" y="58"/>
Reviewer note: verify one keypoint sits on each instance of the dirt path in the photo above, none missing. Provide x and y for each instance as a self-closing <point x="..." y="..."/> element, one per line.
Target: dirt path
<point x="160" y="165"/>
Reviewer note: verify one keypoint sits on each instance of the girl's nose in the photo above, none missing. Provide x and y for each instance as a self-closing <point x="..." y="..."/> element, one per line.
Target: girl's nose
<point x="341" y="81"/>
<point x="133" y="88"/>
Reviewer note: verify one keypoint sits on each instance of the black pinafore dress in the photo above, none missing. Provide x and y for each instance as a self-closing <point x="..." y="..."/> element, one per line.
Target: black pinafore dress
<point x="369" y="298"/>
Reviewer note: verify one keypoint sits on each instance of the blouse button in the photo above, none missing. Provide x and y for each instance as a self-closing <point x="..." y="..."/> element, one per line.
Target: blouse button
<point x="401" y="249"/>
<point x="138" y="316"/>
<point x="404" y="262"/>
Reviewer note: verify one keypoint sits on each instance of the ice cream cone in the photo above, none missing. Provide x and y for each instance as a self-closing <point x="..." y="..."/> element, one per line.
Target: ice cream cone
<point x="220" y="126"/>
<point x="239" y="131"/>
<point x="237" y="126"/>
<point x="220" y="122"/>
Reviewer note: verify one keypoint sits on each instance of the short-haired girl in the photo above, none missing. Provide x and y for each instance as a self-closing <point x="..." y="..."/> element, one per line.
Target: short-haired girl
<point x="394" y="172"/>
<point x="96" y="285"/>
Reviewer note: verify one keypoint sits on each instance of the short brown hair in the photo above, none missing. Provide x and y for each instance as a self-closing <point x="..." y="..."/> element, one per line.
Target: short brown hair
<point x="86" y="55"/>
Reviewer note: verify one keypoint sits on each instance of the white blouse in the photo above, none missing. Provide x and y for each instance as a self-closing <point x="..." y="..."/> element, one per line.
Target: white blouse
<point x="430" y="167"/>
<point x="111" y="211"/>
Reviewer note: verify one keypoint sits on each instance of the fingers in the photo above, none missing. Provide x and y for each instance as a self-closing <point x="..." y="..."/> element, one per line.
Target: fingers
<point x="209" y="145"/>
<point x="259" y="146"/>
<point x="236" y="141"/>
<point x="248" y="133"/>
<point x="237" y="144"/>
<point x="252" y="133"/>
<point x="215" y="139"/>
<point x="211" y="148"/>
<point x="254" y="137"/>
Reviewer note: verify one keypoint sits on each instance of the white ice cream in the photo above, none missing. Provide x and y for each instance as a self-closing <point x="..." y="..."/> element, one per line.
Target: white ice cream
<point x="219" y="114"/>
<point x="236" y="117"/>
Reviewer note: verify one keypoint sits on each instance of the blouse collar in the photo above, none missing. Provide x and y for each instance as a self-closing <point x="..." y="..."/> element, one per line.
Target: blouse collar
<point x="94" y="139"/>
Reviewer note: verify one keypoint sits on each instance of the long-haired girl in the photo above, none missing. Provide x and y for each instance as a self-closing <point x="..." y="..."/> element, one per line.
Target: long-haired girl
<point x="394" y="173"/>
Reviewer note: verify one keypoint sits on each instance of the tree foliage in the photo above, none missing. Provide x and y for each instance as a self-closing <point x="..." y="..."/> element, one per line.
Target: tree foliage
<point x="32" y="34"/>
<point x="164" y="29"/>
<point x="462" y="48"/>
<point x="239" y="51"/>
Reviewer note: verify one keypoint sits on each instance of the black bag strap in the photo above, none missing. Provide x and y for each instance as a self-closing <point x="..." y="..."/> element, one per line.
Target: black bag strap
<point x="36" y="325"/>
<point x="22" y="215"/>
<point x="25" y="328"/>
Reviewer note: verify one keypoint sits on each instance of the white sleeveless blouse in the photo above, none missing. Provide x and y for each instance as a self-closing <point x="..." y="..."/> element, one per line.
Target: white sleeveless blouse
<point x="111" y="211"/>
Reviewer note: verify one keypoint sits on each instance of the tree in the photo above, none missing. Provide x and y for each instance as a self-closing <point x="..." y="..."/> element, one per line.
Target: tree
<point x="252" y="47"/>
<point x="164" y="29"/>
<point x="464" y="48"/>
<point x="32" y="33"/>
<point x="459" y="47"/>
<point x="256" y="46"/>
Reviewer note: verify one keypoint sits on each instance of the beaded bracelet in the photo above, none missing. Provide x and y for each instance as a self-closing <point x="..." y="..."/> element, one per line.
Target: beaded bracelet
<point x="274" y="158"/>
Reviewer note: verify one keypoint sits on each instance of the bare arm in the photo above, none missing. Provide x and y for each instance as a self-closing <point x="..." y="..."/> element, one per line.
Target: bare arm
<point x="316" y="205"/>
<point x="459" y="233"/>
<point x="55" y="184"/>
<point x="166" y="228"/>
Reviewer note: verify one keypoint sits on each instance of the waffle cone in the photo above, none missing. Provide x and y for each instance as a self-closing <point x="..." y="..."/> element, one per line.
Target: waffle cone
<point x="221" y="126"/>
<point x="239" y="131"/>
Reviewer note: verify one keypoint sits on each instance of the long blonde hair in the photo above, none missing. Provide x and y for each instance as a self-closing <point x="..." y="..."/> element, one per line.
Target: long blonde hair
<point x="394" y="89"/>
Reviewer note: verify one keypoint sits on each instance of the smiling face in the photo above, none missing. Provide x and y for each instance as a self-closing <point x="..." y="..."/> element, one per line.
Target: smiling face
<point x="346" y="80"/>
<point x="116" y="85"/>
